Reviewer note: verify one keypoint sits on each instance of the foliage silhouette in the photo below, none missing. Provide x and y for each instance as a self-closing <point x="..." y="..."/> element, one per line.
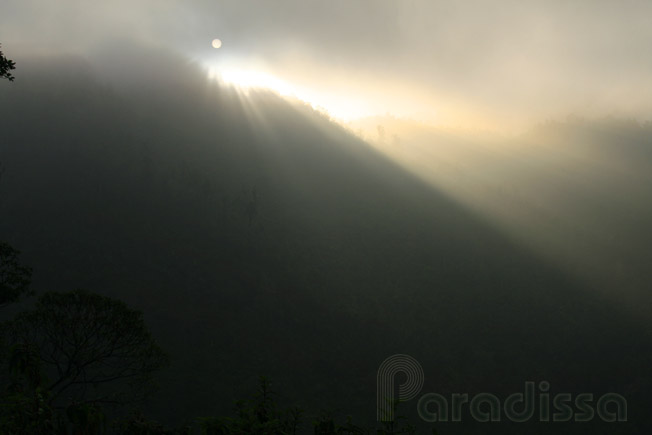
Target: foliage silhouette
<point x="93" y="348"/>
<point x="14" y="277"/>
<point x="138" y="424"/>
<point x="6" y="65"/>
<point x="25" y="403"/>
<point x="258" y="415"/>
<point x="261" y="415"/>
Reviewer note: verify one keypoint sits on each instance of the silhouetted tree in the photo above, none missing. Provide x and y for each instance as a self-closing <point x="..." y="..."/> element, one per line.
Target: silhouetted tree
<point x="24" y="404"/>
<point x="14" y="278"/>
<point x="260" y="415"/>
<point x="138" y="424"/>
<point x="91" y="349"/>
<point x="6" y="65"/>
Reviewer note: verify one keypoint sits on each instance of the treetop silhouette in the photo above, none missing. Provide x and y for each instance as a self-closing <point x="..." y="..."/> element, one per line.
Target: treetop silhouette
<point x="6" y="65"/>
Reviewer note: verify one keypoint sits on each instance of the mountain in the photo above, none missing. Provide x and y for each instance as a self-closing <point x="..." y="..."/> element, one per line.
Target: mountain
<point x="576" y="192"/>
<point x="260" y="237"/>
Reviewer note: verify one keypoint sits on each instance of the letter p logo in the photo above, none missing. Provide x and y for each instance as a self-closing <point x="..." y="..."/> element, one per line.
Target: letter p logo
<point x="385" y="383"/>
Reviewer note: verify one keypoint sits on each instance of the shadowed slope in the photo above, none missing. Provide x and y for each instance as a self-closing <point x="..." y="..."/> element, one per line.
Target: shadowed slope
<point x="259" y="237"/>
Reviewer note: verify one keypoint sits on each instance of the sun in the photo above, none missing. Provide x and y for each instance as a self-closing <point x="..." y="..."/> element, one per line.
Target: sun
<point x="216" y="43"/>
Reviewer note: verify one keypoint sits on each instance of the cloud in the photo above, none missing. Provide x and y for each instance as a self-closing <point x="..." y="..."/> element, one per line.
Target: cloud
<point x="510" y="63"/>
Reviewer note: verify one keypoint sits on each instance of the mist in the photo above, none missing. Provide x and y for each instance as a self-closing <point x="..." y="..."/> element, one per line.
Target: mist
<point x="471" y="65"/>
<point x="464" y="185"/>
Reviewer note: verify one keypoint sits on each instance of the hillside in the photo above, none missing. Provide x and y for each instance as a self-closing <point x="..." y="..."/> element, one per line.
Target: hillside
<point x="259" y="237"/>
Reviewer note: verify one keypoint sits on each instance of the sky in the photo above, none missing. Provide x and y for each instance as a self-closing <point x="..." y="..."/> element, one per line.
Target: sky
<point x="476" y="64"/>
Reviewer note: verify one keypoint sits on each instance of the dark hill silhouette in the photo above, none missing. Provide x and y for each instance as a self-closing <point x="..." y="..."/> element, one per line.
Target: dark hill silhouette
<point x="260" y="238"/>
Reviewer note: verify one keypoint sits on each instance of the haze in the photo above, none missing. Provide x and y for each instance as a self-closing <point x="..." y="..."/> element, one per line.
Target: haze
<point x="469" y="64"/>
<point x="302" y="189"/>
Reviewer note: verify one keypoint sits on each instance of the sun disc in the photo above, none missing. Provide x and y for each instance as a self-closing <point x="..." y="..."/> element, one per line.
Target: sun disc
<point x="216" y="43"/>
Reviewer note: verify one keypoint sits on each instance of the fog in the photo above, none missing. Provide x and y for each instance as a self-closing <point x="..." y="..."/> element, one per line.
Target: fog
<point x="471" y="64"/>
<point x="465" y="184"/>
<point x="575" y="191"/>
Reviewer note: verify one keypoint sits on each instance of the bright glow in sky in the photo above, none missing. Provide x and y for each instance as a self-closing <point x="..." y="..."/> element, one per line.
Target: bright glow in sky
<point x="472" y="63"/>
<point x="339" y="106"/>
<point x="251" y="79"/>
